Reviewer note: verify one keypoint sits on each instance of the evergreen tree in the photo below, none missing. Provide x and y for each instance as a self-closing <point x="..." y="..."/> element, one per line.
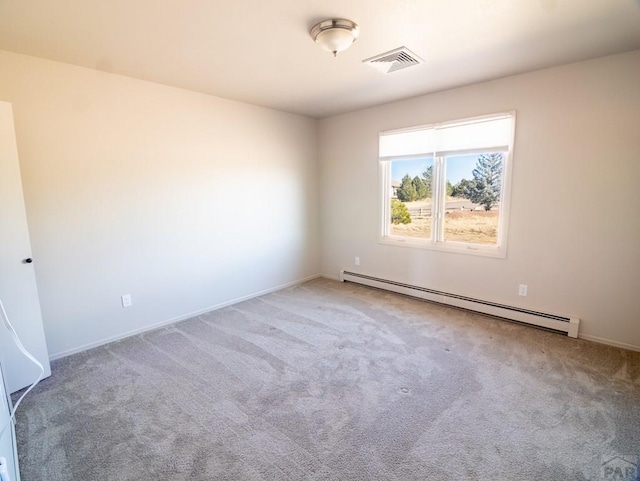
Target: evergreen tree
<point x="427" y="177"/>
<point x="462" y="189"/>
<point x="399" y="213"/>
<point x="485" y="188"/>
<point x="420" y="186"/>
<point x="407" y="191"/>
<point x="449" y="189"/>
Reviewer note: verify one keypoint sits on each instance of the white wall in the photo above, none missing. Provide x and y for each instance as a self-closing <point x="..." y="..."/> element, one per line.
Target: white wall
<point x="183" y="200"/>
<point x="574" y="233"/>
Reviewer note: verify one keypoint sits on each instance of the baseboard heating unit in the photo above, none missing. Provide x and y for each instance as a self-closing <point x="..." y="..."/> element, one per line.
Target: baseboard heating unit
<point x="541" y="319"/>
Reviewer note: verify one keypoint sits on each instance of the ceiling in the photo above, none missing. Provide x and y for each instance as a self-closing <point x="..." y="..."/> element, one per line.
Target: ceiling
<point x="260" y="52"/>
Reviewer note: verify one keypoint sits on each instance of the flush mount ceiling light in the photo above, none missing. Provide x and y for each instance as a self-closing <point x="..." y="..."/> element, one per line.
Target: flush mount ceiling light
<point x="335" y="35"/>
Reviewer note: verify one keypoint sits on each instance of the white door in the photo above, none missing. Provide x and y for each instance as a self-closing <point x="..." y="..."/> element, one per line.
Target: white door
<point x="18" y="290"/>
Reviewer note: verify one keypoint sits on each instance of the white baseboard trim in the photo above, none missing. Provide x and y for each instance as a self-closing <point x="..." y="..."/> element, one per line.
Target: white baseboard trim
<point x="609" y="342"/>
<point x="182" y="317"/>
<point x="330" y="277"/>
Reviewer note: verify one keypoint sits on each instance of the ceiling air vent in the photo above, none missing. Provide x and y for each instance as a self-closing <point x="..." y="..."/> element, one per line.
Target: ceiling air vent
<point x="394" y="60"/>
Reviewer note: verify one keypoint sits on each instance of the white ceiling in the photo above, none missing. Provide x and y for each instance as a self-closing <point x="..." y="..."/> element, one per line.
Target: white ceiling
<point x="260" y="52"/>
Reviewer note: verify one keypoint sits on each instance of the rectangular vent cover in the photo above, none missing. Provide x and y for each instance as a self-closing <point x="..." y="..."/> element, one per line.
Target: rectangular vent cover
<point x="394" y="60"/>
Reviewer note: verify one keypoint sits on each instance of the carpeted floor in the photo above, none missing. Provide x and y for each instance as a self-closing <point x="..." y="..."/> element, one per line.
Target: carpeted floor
<point x="332" y="381"/>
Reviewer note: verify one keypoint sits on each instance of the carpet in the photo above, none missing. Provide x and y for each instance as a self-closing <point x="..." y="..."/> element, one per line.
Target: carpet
<point x="333" y="381"/>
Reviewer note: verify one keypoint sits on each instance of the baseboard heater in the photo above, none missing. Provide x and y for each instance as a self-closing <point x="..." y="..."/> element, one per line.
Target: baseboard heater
<point x="541" y="319"/>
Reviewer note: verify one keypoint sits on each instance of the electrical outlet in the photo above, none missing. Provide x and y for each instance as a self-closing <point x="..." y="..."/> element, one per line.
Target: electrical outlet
<point x="522" y="290"/>
<point x="357" y="261"/>
<point x="126" y="300"/>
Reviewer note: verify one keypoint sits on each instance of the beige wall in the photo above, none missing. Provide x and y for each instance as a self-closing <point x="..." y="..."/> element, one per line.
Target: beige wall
<point x="183" y="200"/>
<point x="574" y="233"/>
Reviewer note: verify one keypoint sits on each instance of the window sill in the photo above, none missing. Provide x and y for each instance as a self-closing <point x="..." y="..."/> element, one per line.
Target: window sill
<point x="450" y="247"/>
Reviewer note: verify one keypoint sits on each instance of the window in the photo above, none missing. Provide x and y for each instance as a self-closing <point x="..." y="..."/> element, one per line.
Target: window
<point x="446" y="186"/>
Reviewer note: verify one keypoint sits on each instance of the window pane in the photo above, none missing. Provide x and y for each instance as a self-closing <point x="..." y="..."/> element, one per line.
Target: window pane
<point x="410" y="198"/>
<point x="472" y="204"/>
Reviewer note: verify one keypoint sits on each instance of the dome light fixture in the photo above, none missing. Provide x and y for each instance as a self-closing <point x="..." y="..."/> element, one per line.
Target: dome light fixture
<point x="335" y="35"/>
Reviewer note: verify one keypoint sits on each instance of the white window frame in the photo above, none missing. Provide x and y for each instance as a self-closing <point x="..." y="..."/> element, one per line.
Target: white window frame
<point x="437" y="241"/>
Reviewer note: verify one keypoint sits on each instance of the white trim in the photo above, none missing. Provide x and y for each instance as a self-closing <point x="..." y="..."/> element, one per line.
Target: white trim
<point x="183" y="317"/>
<point x="450" y="123"/>
<point x="445" y="153"/>
<point x="438" y="199"/>
<point x="505" y="194"/>
<point x="407" y="157"/>
<point x="446" y="246"/>
<point x="330" y="277"/>
<point x="384" y="205"/>
<point x="609" y="342"/>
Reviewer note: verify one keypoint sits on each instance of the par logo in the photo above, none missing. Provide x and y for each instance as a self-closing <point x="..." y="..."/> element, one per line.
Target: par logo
<point x="620" y="468"/>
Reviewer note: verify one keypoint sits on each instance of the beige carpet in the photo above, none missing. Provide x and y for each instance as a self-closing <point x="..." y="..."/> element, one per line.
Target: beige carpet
<point x="331" y="381"/>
